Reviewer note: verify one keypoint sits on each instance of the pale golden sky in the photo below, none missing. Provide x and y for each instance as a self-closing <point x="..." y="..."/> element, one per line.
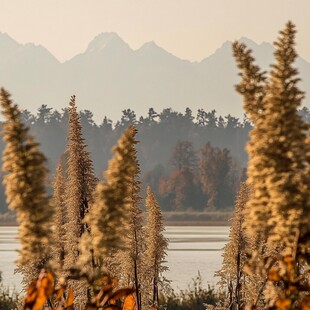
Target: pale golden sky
<point x="189" y="29"/>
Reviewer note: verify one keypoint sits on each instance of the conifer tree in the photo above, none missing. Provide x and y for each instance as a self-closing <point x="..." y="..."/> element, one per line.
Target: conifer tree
<point x="156" y="247"/>
<point x="25" y="183"/>
<point x="60" y="219"/>
<point x="80" y="186"/>
<point x="279" y="206"/>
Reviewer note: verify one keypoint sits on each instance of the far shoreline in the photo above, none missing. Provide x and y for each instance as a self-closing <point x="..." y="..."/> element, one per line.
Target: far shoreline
<point x="166" y="223"/>
<point x="196" y="223"/>
<point x="171" y="218"/>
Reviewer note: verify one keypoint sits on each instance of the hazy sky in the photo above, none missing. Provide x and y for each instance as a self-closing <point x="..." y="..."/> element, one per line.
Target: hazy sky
<point x="189" y="29"/>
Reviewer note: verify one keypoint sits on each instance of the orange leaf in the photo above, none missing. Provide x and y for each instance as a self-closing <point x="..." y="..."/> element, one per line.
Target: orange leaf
<point x="44" y="289"/>
<point x="292" y="289"/>
<point x="273" y="275"/>
<point x="59" y="293"/>
<point x="40" y="300"/>
<point x="69" y="301"/>
<point x="305" y="304"/>
<point x="283" y="304"/>
<point x="49" y="288"/>
<point x="121" y="293"/>
<point x="106" y="288"/>
<point x="130" y="303"/>
<point x="102" y="280"/>
<point x="31" y="293"/>
<point x="115" y="282"/>
<point x="288" y="260"/>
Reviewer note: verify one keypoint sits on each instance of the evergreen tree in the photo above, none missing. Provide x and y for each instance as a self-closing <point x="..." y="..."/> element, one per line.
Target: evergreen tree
<point x="25" y="183"/>
<point x="152" y="114"/>
<point x="128" y="118"/>
<point x="80" y="187"/>
<point x="156" y="247"/>
<point x="202" y="118"/>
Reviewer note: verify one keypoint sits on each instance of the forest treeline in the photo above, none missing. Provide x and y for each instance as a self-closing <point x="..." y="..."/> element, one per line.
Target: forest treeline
<point x="192" y="161"/>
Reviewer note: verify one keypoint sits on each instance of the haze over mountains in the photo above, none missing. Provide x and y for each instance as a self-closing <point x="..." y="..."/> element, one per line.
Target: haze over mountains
<point x="110" y="76"/>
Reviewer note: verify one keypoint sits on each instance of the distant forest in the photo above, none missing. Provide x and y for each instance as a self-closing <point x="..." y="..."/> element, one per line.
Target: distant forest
<point x="192" y="161"/>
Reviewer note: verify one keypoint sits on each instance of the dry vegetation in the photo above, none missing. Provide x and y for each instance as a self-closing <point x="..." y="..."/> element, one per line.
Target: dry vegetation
<point x="266" y="262"/>
<point x="88" y="248"/>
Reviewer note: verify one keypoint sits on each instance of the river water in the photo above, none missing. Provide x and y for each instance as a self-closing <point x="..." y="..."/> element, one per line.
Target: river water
<point x="191" y="249"/>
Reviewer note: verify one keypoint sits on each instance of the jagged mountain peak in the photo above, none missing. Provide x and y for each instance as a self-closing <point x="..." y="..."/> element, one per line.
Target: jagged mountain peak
<point x="12" y="49"/>
<point x="254" y="45"/>
<point x="106" y="40"/>
<point x="224" y="49"/>
<point x="151" y="50"/>
<point x="110" y="72"/>
<point x="7" y="41"/>
<point x="247" y="41"/>
<point x="223" y="52"/>
<point x="39" y="52"/>
<point x="148" y="46"/>
<point x="4" y="35"/>
<point x="262" y="50"/>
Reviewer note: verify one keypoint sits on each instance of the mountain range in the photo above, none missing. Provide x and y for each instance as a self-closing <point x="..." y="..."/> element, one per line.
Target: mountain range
<point x="109" y="77"/>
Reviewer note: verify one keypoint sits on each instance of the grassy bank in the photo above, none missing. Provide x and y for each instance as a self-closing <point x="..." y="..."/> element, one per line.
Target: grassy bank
<point x="8" y="219"/>
<point x="189" y="218"/>
<point x="175" y="218"/>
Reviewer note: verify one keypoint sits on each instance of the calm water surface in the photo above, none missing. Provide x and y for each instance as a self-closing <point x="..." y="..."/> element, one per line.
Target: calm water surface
<point x="191" y="249"/>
